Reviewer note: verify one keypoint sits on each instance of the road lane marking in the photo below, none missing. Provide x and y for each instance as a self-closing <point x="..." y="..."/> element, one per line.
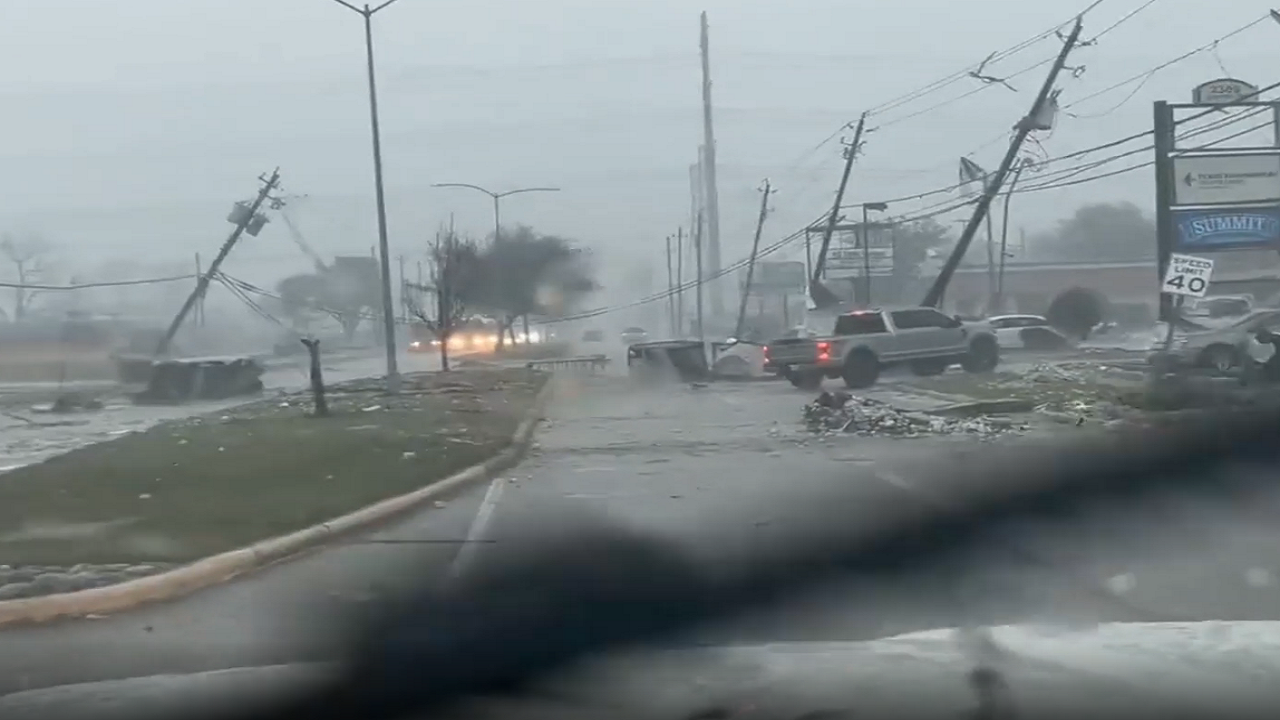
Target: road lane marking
<point x="479" y="527"/>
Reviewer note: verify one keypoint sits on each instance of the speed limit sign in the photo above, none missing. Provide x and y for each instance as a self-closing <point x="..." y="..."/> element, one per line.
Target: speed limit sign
<point x="1187" y="275"/>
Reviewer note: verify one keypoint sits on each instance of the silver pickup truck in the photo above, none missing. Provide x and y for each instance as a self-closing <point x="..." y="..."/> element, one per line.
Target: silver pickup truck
<point x="867" y="341"/>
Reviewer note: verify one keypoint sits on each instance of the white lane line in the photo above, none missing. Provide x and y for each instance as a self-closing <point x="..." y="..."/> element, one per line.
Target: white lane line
<point x="479" y="527"/>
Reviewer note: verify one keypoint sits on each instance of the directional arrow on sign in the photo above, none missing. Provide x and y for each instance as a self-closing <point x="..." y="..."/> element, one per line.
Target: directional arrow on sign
<point x="1187" y="179"/>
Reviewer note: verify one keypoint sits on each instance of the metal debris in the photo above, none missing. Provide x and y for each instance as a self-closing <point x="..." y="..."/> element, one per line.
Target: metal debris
<point x="833" y="412"/>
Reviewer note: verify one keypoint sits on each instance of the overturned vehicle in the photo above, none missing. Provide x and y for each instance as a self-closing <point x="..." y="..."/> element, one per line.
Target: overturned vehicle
<point x="173" y="381"/>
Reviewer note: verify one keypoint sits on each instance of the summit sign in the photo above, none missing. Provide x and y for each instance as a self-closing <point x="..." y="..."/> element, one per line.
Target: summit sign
<point x="1226" y="179"/>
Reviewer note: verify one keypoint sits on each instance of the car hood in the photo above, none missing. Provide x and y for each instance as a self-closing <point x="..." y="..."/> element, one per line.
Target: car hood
<point x="1202" y="667"/>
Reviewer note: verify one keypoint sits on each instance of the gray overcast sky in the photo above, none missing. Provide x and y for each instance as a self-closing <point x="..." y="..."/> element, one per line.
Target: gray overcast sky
<point x="129" y="127"/>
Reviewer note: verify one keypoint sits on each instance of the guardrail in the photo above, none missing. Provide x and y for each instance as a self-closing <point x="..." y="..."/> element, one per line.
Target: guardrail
<point x="589" y="363"/>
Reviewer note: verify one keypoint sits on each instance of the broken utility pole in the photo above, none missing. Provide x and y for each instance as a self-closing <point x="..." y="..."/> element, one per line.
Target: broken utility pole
<point x="316" y="376"/>
<point x="850" y="152"/>
<point x="244" y="220"/>
<point x="709" y="174"/>
<point x="751" y="263"/>
<point x="991" y="189"/>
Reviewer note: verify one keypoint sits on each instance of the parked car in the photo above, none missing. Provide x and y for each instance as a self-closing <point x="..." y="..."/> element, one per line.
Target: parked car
<point x="1029" y="332"/>
<point x="866" y="341"/>
<point x="1220" y="306"/>
<point x="633" y="335"/>
<point x="1221" y="349"/>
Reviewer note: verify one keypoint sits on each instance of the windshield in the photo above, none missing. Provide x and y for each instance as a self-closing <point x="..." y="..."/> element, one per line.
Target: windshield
<point x="305" y="304"/>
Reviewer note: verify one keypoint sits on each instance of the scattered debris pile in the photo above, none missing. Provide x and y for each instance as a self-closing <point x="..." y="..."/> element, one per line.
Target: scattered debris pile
<point x="841" y="412"/>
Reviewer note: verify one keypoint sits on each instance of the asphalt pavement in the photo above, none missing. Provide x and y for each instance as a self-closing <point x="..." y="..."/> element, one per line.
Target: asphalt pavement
<point x="709" y="467"/>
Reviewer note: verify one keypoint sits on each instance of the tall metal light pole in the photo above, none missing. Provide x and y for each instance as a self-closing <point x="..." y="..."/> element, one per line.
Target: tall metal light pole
<point x="866" y="246"/>
<point x="497" y="199"/>
<point x="384" y="259"/>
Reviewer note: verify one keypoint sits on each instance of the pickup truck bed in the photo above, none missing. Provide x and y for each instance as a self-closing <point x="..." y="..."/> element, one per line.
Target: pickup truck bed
<point x="867" y="341"/>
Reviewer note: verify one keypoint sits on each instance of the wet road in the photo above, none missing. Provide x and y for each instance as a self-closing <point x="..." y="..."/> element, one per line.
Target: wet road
<point x="692" y="465"/>
<point x="27" y="437"/>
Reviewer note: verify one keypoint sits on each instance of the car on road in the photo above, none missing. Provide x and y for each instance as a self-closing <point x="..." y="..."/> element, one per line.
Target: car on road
<point x="864" y="342"/>
<point x="1220" y="349"/>
<point x="633" y="335"/>
<point x="593" y="336"/>
<point x="1027" y="332"/>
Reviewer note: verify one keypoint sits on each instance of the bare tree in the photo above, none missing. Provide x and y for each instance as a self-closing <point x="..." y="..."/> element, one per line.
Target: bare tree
<point x="28" y="257"/>
<point x="455" y="270"/>
<point x="528" y="273"/>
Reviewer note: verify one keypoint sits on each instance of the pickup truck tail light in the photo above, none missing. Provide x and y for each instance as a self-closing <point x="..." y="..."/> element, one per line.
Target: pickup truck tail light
<point x="824" y="351"/>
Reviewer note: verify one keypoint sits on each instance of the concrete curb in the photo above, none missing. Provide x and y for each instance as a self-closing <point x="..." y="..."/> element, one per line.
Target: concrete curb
<point x="233" y="563"/>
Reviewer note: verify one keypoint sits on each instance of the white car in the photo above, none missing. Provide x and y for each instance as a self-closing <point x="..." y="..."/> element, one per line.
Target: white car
<point x="1028" y="332"/>
<point x="633" y="335"/>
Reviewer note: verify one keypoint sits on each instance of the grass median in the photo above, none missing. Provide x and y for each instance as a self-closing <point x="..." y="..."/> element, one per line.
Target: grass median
<point x="189" y="489"/>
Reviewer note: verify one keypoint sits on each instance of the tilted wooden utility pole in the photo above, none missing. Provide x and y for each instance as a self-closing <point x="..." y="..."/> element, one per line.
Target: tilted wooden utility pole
<point x="202" y="285"/>
<point x="820" y="265"/>
<point x="751" y="263"/>
<point x="989" y="192"/>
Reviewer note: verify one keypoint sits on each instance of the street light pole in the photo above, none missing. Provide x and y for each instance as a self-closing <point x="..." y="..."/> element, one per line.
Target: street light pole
<point x="497" y="199"/>
<point x="497" y="220"/>
<point x="384" y="259"/>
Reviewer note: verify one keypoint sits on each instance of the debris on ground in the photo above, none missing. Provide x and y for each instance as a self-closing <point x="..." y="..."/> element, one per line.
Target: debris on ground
<point x="839" y="411"/>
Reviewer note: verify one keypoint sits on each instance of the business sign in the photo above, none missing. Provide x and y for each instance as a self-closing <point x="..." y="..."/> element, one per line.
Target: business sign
<point x="776" y="277"/>
<point x="847" y="258"/>
<point x="1187" y="275"/>
<point x="1227" y="229"/>
<point x="1217" y="179"/>
<point x="1224" y="91"/>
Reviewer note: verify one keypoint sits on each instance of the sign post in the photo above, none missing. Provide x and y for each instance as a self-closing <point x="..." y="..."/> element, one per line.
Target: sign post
<point x="1212" y="199"/>
<point x="1186" y="276"/>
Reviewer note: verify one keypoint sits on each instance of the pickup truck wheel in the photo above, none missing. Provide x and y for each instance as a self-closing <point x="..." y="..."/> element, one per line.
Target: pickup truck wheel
<point x="927" y="368"/>
<point x="983" y="356"/>
<point x="803" y="380"/>
<point x="1220" y="358"/>
<point x="861" y="369"/>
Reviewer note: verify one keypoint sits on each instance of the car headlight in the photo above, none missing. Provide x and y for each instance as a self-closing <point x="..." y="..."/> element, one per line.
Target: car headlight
<point x="415" y="344"/>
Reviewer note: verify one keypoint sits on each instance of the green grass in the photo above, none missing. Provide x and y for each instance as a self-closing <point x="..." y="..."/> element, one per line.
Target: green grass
<point x="193" y="488"/>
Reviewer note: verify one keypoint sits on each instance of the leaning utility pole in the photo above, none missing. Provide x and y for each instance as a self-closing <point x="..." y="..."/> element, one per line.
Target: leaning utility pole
<point x="671" y="300"/>
<point x="709" y="174"/>
<point x="202" y="285"/>
<point x="679" y="282"/>
<point x="850" y="152"/>
<point x="751" y="263"/>
<point x="989" y="191"/>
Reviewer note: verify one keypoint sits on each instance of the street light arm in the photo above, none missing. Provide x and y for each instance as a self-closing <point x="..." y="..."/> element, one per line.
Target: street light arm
<point x="525" y="190"/>
<point x="376" y="9"/>
<point x="349" y="6"/>
<point x="486" y="191"/>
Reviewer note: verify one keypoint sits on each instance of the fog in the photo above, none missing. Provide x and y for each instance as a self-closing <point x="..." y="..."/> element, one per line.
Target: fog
<point x="130" y="128"/>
